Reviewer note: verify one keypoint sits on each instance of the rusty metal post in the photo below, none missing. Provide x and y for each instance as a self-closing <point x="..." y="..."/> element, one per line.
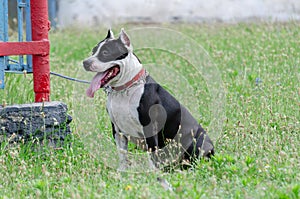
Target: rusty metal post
<point x="41" y="66"/>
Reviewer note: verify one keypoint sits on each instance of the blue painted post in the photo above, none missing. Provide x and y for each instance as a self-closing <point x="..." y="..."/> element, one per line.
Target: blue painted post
<point x="28" y="67"/>
<point x="3" y="37"/>
<point x="52" y="12"/>
<point x="20" y="6"/>
<point x="20" y="65"/>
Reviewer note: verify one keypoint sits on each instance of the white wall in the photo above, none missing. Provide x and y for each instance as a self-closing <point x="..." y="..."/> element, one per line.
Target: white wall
<point x="107" y="12"/>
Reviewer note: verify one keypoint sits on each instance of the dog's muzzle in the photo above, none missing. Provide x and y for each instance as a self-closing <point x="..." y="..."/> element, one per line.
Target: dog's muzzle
<point x="87" y="64"/>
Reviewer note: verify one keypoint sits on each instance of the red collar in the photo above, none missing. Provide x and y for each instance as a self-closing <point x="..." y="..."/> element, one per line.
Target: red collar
<point x="131" y="82"/>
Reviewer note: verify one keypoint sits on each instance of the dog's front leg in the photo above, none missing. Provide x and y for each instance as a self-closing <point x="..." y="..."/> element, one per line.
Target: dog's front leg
<point x="152" y="147"/>
<point x="122" y="145"/>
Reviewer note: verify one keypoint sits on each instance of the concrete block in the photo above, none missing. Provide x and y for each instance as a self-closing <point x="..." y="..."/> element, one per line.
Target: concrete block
<point x="48" y="120"/>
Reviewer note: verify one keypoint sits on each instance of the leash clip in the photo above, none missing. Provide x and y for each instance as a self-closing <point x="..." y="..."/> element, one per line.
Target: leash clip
<point x="108" y="89"/>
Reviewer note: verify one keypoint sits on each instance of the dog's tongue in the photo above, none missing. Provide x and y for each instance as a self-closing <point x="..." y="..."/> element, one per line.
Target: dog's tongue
<point x="95" y="84"/>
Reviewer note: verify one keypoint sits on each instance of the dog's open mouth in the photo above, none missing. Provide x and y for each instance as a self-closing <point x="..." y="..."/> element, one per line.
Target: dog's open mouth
<point x="101" y="79"/>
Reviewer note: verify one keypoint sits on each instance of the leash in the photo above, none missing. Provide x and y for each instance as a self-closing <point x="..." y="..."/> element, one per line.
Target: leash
<point x="53" y="73"/>
<point x="70" y="78"/>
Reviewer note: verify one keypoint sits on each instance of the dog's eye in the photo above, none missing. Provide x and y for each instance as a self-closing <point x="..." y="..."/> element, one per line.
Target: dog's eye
<point x="104" y="52"/>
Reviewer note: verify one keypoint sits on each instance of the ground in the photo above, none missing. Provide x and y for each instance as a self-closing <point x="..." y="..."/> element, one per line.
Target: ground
<point x="257" y="149"/>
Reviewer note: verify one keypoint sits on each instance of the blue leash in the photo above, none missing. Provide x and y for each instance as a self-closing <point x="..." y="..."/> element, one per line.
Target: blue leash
<point x="56" y="74"/>
<point x="70" y="78"/>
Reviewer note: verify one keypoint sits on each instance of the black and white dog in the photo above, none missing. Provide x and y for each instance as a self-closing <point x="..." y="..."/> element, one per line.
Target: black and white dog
<point x="140" y="109"/>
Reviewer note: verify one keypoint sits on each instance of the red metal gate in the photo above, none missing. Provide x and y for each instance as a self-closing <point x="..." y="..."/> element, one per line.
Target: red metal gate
<point x="39" y="47"/>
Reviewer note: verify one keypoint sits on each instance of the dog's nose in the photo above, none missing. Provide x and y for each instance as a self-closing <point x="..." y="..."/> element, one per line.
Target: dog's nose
<point x="86" y="64"/>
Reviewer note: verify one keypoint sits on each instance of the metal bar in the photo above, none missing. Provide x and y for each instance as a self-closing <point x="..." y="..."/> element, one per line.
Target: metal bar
<point x="13" y="61"/>
<point x="28" y="34"/>
<point x="14" y="67"/>
<point x="41" y="67"/>
<point x="5" y="21"/>
<point x="3" y="37"/>
<point x="20" y="28"/>
<point x="14" y="72"/>
<point x="52" y="12"/>
<point x="25" y="48"/>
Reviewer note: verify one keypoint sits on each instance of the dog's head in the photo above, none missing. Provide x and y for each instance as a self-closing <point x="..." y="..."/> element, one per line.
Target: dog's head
<point x="108" y="60"/>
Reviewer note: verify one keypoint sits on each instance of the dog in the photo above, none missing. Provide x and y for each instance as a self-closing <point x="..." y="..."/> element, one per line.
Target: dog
<point x="140" y="109"/>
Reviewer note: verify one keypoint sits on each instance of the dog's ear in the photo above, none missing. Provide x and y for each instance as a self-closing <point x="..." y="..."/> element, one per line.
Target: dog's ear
<point x="125" y="39"/>
<point x="110" y="34"/>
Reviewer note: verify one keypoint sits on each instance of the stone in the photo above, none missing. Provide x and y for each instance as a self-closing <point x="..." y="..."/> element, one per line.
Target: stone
<point x="46" y="120"/>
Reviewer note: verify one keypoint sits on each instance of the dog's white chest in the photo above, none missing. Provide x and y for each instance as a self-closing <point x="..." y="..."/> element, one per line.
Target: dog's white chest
<point x="122" y="109"/>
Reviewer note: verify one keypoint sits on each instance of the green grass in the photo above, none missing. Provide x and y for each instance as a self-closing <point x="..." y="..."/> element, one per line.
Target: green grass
<point x="257" y="151"/>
